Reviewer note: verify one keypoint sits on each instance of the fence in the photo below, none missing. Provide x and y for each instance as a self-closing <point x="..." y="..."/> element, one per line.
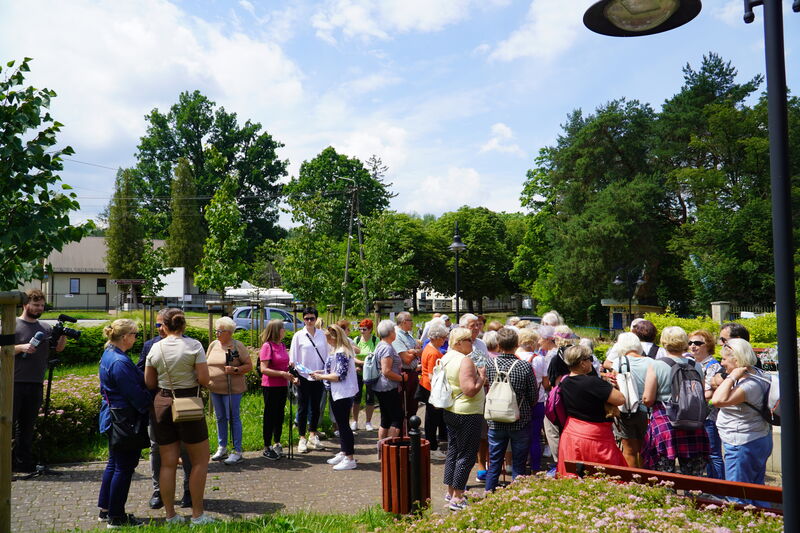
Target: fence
<point x="81" y="301"/>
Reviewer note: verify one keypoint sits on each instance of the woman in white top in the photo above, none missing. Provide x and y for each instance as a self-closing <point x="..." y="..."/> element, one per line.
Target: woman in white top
<point x="340" y="379"/>
<point x="177" y="367"/>
<point x="746" y="436"/>
<point x="631" y="427"/>
<point x="309" y="351"/>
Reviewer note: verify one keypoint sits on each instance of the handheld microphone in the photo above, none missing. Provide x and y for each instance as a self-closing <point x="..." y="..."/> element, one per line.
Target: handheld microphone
<point x="35" y="341"/>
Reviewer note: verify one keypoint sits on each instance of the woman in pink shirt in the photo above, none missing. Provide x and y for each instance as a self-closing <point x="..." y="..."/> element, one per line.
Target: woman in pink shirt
<point x="275" y="379"/>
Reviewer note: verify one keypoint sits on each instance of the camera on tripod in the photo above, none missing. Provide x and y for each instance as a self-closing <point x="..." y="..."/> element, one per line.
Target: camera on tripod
<point x="60" y="329"/>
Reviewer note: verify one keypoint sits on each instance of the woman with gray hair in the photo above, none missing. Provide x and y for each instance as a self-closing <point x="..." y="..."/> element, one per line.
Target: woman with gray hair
<point x="434" y="419"/>
<point x="746" y="436"/>
<point x="631" y="427"/>
<point x="387" y="387"/>
<point x="464" y="417"/>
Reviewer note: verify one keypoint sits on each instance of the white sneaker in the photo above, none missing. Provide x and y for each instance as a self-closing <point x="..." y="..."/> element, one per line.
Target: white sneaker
<point x="235" y="457"/>
<point x="336" y="459"/>
<point x="202" y="520"/>
<point x="222" y="453"/>
<point x="277" y="448"/>
<point x="438" y="455"/>
<point x="354" y="425"/>
<point x="177" y="519"/>
<point x="302" y="445"/>
<point x="346" y="464"/>
<point x="368" y="427"/>
<point x="336" y="434"/>
<point x="546" y="452"/>
<point x="315" y="444"/>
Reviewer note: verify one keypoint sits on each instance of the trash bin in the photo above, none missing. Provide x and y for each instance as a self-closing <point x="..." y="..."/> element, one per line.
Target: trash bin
<point x="406" y="483"/>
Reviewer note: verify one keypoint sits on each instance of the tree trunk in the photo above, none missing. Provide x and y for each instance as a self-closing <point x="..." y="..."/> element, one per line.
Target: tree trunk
<point x="480" y="306"/>
<point x="471" y="306"/>
<point x="414" y="300"/>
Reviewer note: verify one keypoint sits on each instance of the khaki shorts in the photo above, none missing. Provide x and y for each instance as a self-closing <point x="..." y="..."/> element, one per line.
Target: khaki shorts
<point x="165" y="431"/>
<point x="631" y="427"/>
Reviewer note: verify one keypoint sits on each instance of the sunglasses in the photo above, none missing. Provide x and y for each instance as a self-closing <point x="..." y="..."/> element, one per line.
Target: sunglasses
<point x="309" y="318"/>
<point x="696" y="343"/>
<point x="363" y="329"/>
<point x="723" y="340"/>
<point x="158" y="324"/>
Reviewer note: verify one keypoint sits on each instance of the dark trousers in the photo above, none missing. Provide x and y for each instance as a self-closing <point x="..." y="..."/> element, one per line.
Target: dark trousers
<point x="464" y="437"/>
<point x="309" y="396"/>
<point x="274" y="405"/>
<point x="341" y="413"/>
<point x="155" y="463"/>
<point x="435" y="428"/>
<point x="27" y="401"/>
<point x="117" y="481"/>
<point x="409" y="391"/>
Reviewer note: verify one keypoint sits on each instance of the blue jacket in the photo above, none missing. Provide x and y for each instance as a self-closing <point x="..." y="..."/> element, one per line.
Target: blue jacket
<point x="122" y="384"/>
<point x="148" y="345"/>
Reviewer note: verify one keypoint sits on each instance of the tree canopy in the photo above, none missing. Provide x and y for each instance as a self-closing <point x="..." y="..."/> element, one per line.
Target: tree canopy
<point x="34" y="204"/>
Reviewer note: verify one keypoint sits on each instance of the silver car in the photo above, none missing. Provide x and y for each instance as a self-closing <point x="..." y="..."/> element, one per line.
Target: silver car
<point x="241" y="316"/>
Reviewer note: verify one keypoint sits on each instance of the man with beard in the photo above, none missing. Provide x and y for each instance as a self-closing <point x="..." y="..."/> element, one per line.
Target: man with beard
<point x="30" y="366"/>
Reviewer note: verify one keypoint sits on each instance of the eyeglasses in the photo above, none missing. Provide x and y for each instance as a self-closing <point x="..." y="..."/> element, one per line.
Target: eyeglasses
<point x="363" y="329"/>
<point x="220" y="331"/>
<point x="309" y="318"/>
<point x="723" y="340"/>
<point x="696" y="343"/>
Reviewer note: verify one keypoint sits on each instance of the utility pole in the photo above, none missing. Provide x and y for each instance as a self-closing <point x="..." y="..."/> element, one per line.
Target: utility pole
<point x="347" y="255"/>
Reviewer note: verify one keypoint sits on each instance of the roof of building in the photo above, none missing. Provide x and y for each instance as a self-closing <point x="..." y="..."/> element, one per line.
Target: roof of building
<point x="85" y="256"/>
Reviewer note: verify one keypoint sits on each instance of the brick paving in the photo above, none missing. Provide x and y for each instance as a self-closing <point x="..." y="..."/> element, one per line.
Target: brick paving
<point x="252" y="488"/>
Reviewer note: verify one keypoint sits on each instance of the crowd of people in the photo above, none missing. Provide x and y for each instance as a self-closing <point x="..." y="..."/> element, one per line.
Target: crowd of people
<point x="653" y="420"/>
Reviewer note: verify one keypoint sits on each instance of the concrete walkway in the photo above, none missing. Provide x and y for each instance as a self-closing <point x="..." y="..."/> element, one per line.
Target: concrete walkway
<point x="252" y="488"/>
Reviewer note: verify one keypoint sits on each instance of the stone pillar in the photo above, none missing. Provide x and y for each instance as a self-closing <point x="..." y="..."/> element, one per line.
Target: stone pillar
<point x="720" y="311"/>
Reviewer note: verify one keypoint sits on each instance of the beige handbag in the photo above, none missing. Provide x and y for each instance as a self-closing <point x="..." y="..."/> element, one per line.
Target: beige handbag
<point x="187" y="409"/>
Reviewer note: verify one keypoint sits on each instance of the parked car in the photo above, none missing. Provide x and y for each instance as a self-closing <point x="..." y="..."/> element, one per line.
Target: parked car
<point x="534" y="319"/>
<point x="241" y="316"/>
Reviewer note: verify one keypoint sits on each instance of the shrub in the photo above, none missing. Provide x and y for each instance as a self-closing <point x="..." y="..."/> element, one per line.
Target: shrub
<point x="688" y="324"/>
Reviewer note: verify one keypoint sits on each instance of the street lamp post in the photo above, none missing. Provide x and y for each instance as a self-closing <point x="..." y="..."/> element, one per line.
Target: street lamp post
<point x="457" y="247"/>
<point x="607" y="18"/>
<point x="633" y="279"/>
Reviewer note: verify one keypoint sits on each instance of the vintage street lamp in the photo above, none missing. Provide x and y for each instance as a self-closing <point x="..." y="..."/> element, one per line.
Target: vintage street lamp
<point x="643" y="17"/>
<point x="632" y="280"/>
<point x="457" y="247"/>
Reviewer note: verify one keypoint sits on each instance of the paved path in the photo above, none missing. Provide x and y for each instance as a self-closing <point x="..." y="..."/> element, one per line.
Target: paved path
<point x="252" y="488"/>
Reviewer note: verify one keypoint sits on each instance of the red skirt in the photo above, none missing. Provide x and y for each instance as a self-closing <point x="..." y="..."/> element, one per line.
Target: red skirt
<point x="592" y="442"/>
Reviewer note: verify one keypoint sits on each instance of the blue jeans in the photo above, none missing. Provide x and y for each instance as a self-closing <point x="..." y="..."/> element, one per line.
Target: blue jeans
<point x="716" y="466"/>
<point x="498" y="442"/>
<point x="747" y="463"/>
<point x="226" y="410"/>
<point x="117" y="482"/>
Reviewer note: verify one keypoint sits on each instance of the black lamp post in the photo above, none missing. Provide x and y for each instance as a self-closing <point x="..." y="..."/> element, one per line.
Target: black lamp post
<point x="457" y="247"/>
<point x="624" y="18"/>
<point x="632" y="279"/>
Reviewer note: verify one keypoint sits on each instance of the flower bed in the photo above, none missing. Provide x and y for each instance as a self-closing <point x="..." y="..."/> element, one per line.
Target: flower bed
<point x="538" y="503"/>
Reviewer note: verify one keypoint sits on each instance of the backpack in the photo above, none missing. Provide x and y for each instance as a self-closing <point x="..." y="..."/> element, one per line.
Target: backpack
<point x="554" y="409"/>
<point x="371" y="371"/>
<point x="687" y="407"/>
<point x="501" y="400"/>
<point x="627" y="386"/>
<point x="771" y="404"/>
<point x="441" y="391"/>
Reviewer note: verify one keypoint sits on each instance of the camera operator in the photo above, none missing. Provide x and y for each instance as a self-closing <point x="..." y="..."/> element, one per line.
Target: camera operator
<point x="30" y="365"/>
<point x="155" y="501"/>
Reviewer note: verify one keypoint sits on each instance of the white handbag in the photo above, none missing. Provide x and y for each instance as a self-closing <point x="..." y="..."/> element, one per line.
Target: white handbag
<point x="627" y="387"/>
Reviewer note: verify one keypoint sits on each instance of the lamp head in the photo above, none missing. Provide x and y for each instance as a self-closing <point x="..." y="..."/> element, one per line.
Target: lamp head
<point x="629" y="18"/>
<point x="457" y="245"/>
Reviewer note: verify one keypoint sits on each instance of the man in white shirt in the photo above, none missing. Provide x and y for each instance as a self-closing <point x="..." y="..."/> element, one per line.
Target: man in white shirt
<point x="409" y="351"/>
<point x="308" y="353"/>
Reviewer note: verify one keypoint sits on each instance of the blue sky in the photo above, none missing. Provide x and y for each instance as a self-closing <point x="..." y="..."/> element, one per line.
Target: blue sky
<point x="457" y="97"/>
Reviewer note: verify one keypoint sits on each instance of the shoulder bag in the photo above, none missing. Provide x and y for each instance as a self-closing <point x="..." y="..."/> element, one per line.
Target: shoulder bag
<point x="186" y="409"/>
<point x="128" y="431"/>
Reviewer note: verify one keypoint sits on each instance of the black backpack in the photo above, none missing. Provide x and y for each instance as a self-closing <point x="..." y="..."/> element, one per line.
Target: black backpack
<point x="687" y="407"/>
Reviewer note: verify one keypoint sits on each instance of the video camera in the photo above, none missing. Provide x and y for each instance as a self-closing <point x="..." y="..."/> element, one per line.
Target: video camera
<point x="60" y="329"/>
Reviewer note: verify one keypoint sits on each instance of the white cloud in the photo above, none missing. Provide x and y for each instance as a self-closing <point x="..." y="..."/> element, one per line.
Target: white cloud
<point x="730" y="13"/>
<point x="247" y="6"/>
<point x="373" y="19"/>
<point x="550" y="28"/>
<point x="440" y="193"/>
<point x="498" y="142"/>
<point x="370" y="83"/>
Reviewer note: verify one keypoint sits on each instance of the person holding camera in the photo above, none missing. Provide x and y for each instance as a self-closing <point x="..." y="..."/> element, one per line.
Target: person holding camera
<point x="176" y="366"/>
<point x="123" y="391"/>
<point x="228" y="362"/>
<point x="32" y="340"/>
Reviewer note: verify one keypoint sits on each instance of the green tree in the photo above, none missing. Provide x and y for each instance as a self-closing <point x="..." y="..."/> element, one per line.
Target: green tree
<point x="222" y="264"/>
<point x="323" y="192"/>
<point x="152" y="269"/>
<point x="34" y="205"/>
<point x="190" y="128"/>
<point x="389" y="251"/>
<point x="484" y="265"/>
<point x="186" y="235"/>
<point x="125" y="234"/>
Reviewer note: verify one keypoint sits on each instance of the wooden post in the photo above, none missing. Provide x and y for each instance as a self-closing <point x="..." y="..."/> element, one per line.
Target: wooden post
<point x="9" y="302"/>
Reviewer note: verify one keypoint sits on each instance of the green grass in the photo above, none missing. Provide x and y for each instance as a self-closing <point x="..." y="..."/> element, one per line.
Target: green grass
<point x="88" y="314"/>
<point x="368" y="519"/>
